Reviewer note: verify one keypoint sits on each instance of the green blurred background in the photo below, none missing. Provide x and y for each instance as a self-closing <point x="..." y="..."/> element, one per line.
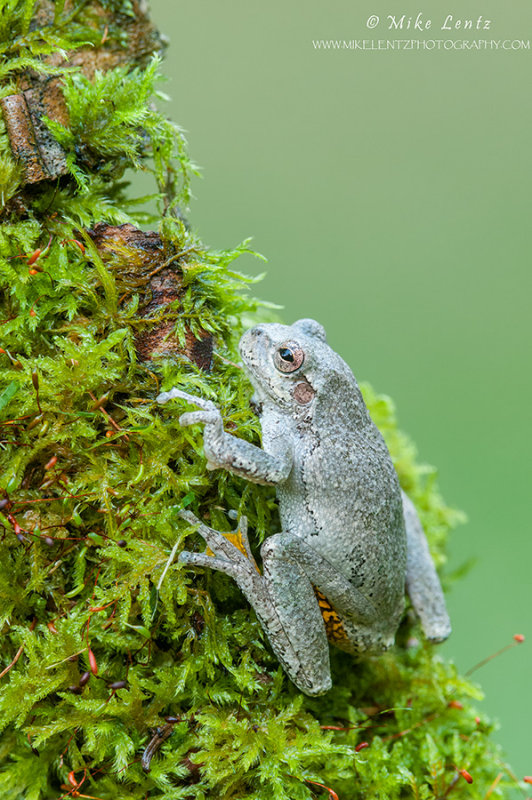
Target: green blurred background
<point x="390" y="192"/>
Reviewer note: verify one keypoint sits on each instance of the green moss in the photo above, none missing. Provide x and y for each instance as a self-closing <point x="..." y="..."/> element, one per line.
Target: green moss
<point x="93" y="492"/>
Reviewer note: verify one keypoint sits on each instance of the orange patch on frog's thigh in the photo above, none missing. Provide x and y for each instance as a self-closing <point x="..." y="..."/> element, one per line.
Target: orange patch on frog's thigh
<point x="333" y="624"/>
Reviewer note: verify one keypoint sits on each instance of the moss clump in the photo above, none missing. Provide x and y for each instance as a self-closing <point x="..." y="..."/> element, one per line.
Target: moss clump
<point x="104" y="634"/>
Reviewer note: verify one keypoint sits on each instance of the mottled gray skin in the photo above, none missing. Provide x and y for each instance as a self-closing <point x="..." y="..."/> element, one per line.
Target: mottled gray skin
<point x="347" y="528"/>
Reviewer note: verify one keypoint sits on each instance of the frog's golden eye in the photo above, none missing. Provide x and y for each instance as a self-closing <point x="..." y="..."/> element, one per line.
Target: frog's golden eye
<point x="288" y="357"/>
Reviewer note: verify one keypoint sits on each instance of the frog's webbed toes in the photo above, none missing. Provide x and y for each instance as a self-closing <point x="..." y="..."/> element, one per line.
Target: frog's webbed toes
<point x="233" y="547"/>
<point x="205" y="416"/>
<point x="203" y="560"/>
<point x="242" y="533"/>
<point x="164" y="397"/>
<point x="201" y="528"/>
<point x="208" y="411"/>
<point x="241" y="571"/>
<point x="191" y="518"/>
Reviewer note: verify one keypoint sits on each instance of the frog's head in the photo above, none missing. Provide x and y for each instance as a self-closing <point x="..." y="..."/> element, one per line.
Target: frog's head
<point x="292" y="365"/>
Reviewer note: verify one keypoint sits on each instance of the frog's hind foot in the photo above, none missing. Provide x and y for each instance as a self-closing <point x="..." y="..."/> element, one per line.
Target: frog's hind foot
<point x="226" y="552"/>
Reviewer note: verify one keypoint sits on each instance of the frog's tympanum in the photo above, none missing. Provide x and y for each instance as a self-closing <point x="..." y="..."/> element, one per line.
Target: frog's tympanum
<point x="350" y="540"/>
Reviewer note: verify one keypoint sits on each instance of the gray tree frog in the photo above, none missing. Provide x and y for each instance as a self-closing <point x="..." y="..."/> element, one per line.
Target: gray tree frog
<point x="350" y="538"/>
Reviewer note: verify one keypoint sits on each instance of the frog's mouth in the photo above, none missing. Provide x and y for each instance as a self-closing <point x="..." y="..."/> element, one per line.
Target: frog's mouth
<point x="256" y="350"/>
<point x="255" y="346"/>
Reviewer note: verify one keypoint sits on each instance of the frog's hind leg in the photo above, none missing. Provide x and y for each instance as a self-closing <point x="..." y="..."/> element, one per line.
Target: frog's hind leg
<point x="422" y="582"/>
<point x="292" y="595"/>
<point x="283" y="599"/>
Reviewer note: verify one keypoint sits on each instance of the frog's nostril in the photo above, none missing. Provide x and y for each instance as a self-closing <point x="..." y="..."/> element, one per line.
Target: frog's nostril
<point x="258" y="330"/>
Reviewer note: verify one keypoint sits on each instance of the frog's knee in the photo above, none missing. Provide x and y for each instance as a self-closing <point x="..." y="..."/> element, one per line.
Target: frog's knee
<point x="314" y="687"/>
<point x="310" y="676"/>
<point x="273" y="547"/>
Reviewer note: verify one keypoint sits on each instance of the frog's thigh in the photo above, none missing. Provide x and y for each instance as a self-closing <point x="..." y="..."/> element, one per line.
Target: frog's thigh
<point x="345" y="598"/>
<point x="292" y="595"/>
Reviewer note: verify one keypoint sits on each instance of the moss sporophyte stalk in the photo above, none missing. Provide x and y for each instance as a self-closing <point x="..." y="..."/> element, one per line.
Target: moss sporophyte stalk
<point x="122" y="673"/>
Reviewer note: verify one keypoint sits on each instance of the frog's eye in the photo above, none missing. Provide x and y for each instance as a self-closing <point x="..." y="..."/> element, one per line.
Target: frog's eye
<point x="289" y="357"/>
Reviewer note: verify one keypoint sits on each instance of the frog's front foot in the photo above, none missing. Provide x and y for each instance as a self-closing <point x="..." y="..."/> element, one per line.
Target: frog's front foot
<point x="164" y="397"/>
<point x="208" y="414"/>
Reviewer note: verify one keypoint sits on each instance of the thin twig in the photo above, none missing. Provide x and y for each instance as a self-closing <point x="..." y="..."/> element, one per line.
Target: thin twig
<point x="171" y="260"/>
<point x="18" y="653"/>
<point x="494" y="785"/>
<point x="227" y="361"/>
<point x="57" y="663"/>
<point x="167" y="263"/>
<point x="413" y="727"/>
<point x="109" y="418"/>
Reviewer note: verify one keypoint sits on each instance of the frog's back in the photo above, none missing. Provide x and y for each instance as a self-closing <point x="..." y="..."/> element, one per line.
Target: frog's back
<point x="343" y="495"/>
